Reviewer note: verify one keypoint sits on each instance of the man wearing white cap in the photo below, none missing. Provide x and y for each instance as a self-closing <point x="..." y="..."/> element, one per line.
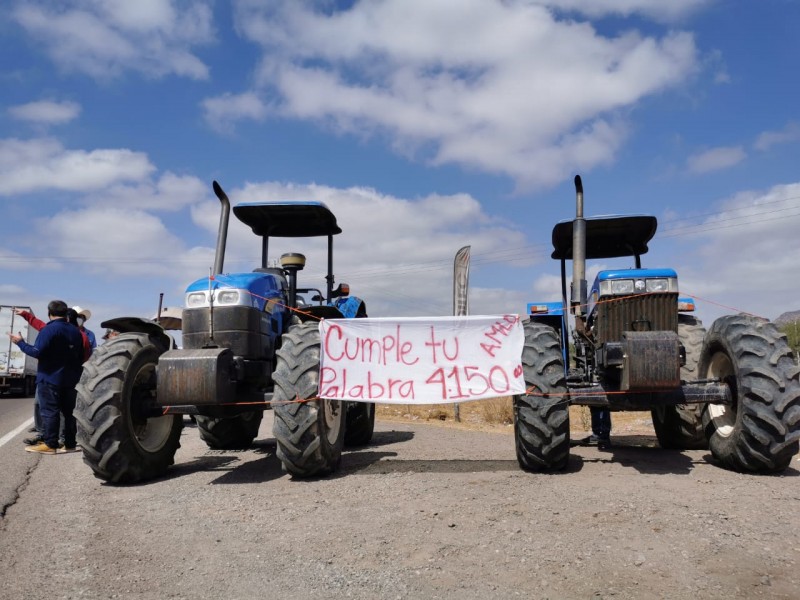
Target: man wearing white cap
<point x="84" y="314"/>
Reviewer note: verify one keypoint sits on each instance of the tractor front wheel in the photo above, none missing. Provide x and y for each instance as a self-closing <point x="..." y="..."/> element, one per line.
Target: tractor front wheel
<point x="541" y="416"/>
<point x="309" y="430"/>
<point x="116" y="393"/>
<point x="759" y="431"/>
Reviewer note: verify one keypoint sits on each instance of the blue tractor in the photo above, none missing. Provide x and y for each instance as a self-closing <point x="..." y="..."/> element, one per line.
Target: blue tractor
<point x="633" y="346"/>
<point x="250" y="342"/>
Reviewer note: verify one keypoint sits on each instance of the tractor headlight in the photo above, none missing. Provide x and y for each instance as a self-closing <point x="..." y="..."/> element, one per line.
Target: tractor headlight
<point x="228" y="297"/>
<point x="621" y="286"/>
<point x="196" y="300"/>
<point x="658" y="285"/>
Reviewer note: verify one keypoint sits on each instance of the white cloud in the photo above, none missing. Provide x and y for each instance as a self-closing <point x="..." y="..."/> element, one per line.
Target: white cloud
<point x="112" y="241"/>
<point x="17" y="261"/>
<point x="379" y="252"/>
<point x="768" y="139"/>
<point x="170" y="193"/>
<point x="502" y="87"/>
<point x="743" y="258"/>
<point x="715" y="159"/>
<point x="656" y="9"/>
<point x="105" y="38"/>
<point x="46" y="112"/>
<point x="8" y="289"/>
<point x="223" y="111"/>
<point x="40" y="164"/>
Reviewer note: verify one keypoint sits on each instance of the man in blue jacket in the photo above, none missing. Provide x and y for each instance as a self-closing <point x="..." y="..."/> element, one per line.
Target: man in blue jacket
<point x="59" y="349"/>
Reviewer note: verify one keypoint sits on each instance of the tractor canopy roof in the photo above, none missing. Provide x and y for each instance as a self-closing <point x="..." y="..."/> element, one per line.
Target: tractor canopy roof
<point x="607" y="237"/>
<point x="287" y="219"/>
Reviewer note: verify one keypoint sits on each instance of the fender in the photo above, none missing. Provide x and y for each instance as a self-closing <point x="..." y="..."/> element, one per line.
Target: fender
<point x="139" y="325"/>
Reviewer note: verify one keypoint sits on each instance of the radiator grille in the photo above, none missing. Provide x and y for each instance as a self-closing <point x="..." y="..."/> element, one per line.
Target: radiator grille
<point x="648" y="312"/>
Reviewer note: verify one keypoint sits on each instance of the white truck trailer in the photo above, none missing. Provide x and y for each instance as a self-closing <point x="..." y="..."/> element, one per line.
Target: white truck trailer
<point x="17" y="369"/>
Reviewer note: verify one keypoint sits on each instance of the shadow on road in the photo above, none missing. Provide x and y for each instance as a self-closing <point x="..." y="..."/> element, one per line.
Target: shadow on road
<point x="371" y="463"/>
<point x="384" y="438"/>
<point x="266" y="468"/>
<point x="642" y="452"/>
<point x="202" y="463"/>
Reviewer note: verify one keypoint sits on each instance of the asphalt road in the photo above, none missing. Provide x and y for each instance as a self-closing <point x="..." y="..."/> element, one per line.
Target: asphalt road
<point x="16" y="417"/>
<point x="423" y="512"/>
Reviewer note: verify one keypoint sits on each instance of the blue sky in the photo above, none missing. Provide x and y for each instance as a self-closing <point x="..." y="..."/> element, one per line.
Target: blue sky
<point x="425" y="125"/>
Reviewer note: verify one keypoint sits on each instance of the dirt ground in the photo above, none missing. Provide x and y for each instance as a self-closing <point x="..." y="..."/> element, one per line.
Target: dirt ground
<point x="428" y="510"/>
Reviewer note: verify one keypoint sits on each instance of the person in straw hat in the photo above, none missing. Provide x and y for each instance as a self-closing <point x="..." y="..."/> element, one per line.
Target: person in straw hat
<point x="84" y="314"/>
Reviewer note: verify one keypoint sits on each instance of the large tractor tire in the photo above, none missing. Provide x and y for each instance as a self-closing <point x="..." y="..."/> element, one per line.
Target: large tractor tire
<point x="680" y="427"/>
<point x="309" y="430"/>
<point x="230" y="433"/>
<point x="759" y="431"/>
<point x="120" y="443"/>
<point x="360" y="423"/>
<point x="541" y="420"/>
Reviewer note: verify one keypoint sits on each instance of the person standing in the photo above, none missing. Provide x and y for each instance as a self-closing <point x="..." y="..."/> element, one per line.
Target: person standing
<point x="38" y="428"/>
<point x="38" y="325"/>
<point x="84" y="314"/>
<point x="59" y="350"/>
<point x="110" y="334"/>
<point x="601" y="427"/>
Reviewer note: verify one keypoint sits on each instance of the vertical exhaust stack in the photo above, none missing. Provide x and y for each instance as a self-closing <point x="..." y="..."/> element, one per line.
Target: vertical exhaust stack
<point x="579" y="253"/>
<point x="222" y="235"/>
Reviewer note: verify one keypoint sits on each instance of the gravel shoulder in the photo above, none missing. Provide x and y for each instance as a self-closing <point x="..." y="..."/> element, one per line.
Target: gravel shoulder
<point x="425" y="511"/>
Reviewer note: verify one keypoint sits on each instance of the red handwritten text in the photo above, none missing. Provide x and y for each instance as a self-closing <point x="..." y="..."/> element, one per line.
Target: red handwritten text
<point x="389" y="348"/>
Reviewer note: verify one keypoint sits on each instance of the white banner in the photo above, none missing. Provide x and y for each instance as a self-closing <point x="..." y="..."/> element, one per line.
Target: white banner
<point x="421" y="360"/>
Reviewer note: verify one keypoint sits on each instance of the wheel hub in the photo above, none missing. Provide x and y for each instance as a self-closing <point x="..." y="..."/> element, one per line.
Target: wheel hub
<point x="723" y="416"/>
<point x="332" y="413"/>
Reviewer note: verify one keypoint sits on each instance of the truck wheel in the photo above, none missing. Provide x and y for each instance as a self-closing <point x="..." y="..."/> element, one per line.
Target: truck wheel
<point x="759" y="432"/>
<point x="230" y="433"/>
<point x="309" y="430"/>
<point x="120" y="443"/>
<point x="680" y="427"/>
<point x="359" y="423"/>
<point x="541" y="422"/>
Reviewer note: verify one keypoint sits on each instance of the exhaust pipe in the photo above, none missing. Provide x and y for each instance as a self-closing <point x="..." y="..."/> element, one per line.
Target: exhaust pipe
<point x="579" y="253"/>
<point x="222" y="235"/>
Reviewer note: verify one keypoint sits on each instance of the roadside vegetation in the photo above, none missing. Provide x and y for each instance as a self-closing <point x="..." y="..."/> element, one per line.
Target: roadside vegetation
<point x="792" y="331"/>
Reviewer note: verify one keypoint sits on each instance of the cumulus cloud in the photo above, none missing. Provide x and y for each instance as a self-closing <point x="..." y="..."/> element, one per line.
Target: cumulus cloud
<point x="112" y="240"/>
<point x="46" y="112"/>
<point x="742" y="257"/>
<point x="379" y="253"/>
<point x="104" y="38"/>
<point x="662" y="11"/>
<point x="170" y="193"/>
<point x="17" y="261"/>
<point x="790" y="133"/>
<point x="43" y="163"/>
<point x="511" y="88"/>
<point x="715" y="159"/>
<point x="222" y="112"/>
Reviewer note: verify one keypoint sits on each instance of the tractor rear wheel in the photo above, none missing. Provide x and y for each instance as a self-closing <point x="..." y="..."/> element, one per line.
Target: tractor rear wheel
<point x="360" y="423"/>
<point x="120" y="442"/>
<point x="230" y="433"/>
<point x="541" y="420"/>
<point x="759" y="431"/>
<point x="309" y="430"/>
<point x="680" y="427"/>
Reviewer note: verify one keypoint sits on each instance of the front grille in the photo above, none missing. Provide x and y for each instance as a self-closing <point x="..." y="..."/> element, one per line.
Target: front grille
<point x="647" y="312"/>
